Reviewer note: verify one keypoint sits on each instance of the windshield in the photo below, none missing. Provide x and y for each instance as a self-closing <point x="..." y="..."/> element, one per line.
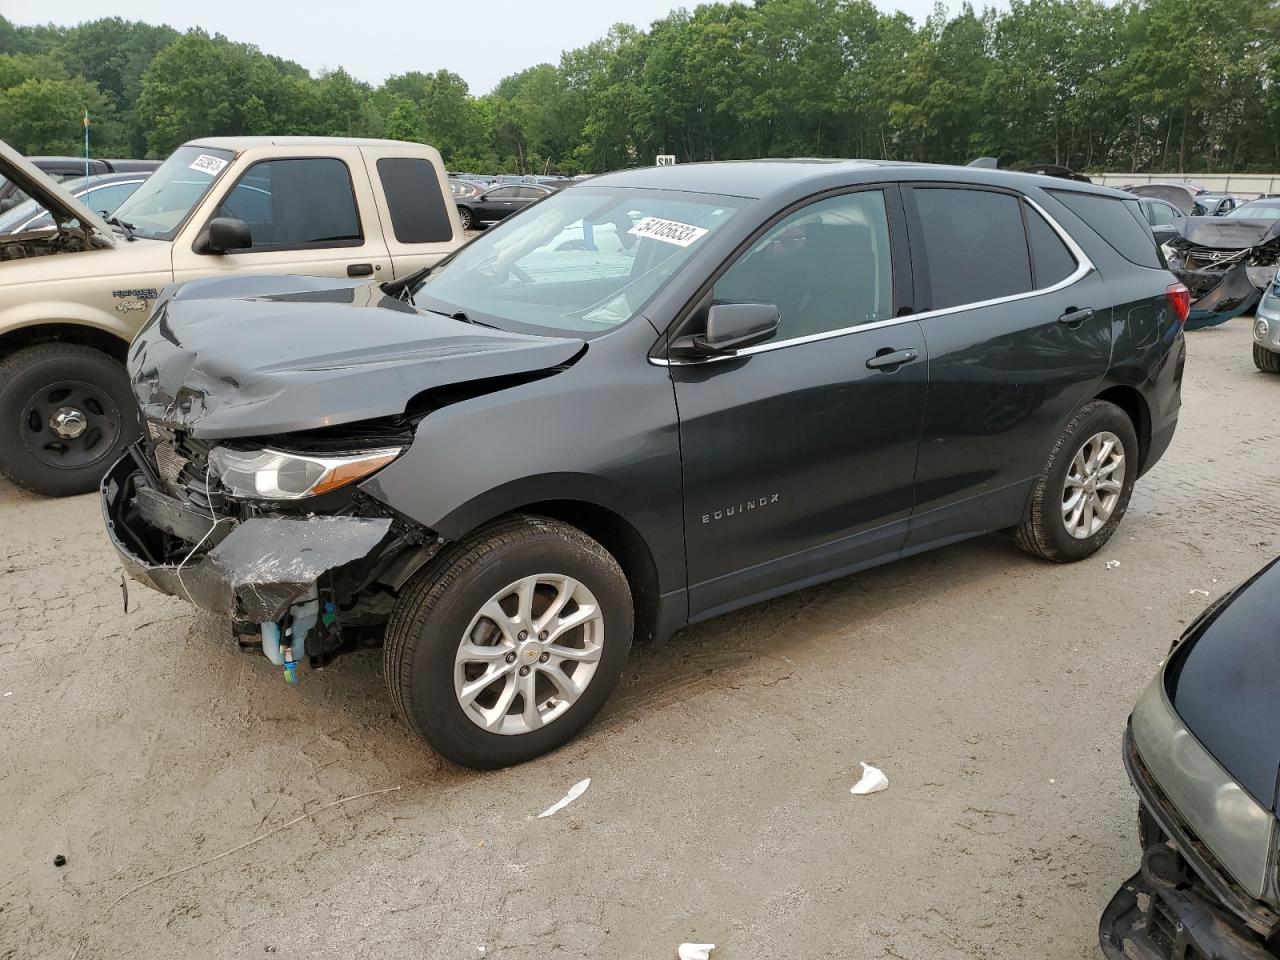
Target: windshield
<point x="161" y="205"/>
<point x="1257" y="211"/>
<point x="583" y="261"/>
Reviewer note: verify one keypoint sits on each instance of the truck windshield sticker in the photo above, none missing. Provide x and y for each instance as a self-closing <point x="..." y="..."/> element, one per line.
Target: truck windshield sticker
<point x="207" y="164"/>
<point x="668" y="231"/>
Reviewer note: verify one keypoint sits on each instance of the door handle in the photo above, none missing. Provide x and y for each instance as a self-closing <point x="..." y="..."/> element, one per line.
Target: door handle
<point x="889" y="360"/>
<point x="1074" y="317"/>
<point x="360" y="270"/>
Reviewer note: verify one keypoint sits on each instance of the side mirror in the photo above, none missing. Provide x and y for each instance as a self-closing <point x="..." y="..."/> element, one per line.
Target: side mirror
<point x="225" y="234"/>
<point x="732" y="327"/>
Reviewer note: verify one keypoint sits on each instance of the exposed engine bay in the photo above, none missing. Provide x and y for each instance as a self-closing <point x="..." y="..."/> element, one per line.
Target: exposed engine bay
<point x="46" y="243"/>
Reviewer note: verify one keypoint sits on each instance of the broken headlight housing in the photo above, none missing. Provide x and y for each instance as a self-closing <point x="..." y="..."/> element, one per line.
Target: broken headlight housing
<point x="267" y="474"/>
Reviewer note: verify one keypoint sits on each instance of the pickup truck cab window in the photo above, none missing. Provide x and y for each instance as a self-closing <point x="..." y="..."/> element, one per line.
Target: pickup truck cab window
<point x="316" y="192"/>
<point x="159" y="208"/>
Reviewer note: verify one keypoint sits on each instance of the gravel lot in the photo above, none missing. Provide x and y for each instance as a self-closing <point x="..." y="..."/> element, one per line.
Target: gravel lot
<point x="990" y="687"/>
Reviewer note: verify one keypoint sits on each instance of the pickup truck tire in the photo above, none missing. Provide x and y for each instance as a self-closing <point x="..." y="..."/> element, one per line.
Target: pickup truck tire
<point x="440" y="645"/>
<point x="466" y="218"/>
<point x="1265" y="360"/>
<point x="66" y="414"/>
<point x="1094" y="460"/>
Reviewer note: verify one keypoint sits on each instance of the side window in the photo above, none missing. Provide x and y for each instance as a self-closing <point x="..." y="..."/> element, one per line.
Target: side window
<point x="1051" y="261"/>
<point x="826" y="267"/>
<point x="529" y="193"/>
<point x="417" y="209"/>
<point x="106" y="199"/>
<point x="975" y="245"/>
<point x="1119" y="222"/>
<point x="502" y="193"/>
<point x="1160" y="214"/>
<point x="293" y="204"/>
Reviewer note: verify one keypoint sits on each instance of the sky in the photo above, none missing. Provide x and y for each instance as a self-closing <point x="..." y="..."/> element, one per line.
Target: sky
<point x="482" y="42"/>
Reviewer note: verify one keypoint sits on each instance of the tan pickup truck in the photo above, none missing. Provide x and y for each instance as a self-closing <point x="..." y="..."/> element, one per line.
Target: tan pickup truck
<point x="318" y="206"/>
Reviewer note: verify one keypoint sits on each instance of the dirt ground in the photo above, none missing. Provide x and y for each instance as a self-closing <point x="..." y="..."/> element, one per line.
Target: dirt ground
<point x="990" y="687"/>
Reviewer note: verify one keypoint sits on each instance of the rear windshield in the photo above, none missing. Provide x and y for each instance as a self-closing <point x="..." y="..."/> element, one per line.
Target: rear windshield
<point x="1119" y="222"/>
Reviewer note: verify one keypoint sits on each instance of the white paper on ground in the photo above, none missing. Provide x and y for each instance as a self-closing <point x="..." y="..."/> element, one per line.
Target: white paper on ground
<point x="873" y="781"/>
<point x="577" y="790"/>
<point x="696" y="951"/>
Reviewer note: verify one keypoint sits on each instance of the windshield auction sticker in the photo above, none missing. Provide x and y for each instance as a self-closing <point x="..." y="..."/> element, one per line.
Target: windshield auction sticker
<point x="207" y="164"/>
<point x="668" y="231"/>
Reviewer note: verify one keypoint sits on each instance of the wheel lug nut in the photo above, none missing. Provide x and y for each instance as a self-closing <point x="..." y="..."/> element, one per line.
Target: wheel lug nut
<point x="511" y="658"/>
<point x="545" y="657"/>
<point x="524" y="634"/>
<point x="524" y="671"/>
<point x="543" y="636"/>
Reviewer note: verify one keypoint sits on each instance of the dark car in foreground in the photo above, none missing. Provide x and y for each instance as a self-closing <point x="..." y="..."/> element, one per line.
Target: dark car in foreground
<point x="1226" y="261"/>
<point x="498" y="203"/>
<point x="1202" y="752"/>
<point x="653" y="398"/>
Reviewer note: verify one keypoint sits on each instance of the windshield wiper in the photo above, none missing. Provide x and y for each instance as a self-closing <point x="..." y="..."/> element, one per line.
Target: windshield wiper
<point x="462" y="318"/>
<point x="128" y="228"/>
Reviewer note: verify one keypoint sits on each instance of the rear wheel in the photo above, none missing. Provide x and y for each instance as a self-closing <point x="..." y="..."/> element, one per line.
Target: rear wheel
<point x="1265" y="360"/>
<point x="66" y="414"/>
<point x="506" y="647"/>
<point x="1083" y="490"/>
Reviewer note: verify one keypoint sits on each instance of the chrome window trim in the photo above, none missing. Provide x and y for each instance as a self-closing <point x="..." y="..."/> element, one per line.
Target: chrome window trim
<point x="1084" y="266"/>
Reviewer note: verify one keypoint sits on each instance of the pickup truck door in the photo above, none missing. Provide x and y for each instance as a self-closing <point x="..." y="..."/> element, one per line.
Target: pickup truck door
<point x="415" y="205"/>
<point x="313" y="215"/>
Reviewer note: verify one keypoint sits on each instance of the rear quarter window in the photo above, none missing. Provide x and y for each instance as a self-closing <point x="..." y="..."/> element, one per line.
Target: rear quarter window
<point x="418" y="213"/>
<point x="1119" y="222"/>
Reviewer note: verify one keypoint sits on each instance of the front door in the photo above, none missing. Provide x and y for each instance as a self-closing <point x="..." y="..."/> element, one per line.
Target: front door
<point x="799" y="453"/>
<point x="313" y="216"/>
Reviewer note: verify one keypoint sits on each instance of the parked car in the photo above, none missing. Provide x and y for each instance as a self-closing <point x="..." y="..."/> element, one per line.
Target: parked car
<point x="1214" y="204"/>
<point x="758" y="376"/>
<point x="221" y="206"/>
<point x="1266" y="329"/>
<point x="498" y="203"/>
<point x="1181" y="195"/>
<point x="70" y="168"/>
<point x="1226" y="261"/>
<point x="1163" y="217"/>
<point x="462" y="189"/>
<point x="102" y="194"/>
<point x="1202" y="754"/>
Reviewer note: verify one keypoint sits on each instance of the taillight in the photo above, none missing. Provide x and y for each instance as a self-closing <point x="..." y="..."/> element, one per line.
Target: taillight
<point x="1179" y="298"/>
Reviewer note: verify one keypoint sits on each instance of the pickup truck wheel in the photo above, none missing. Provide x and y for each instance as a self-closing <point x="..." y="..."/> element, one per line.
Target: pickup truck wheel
<point x="1083" y="489"/>
<point x="1265" y="360"/>
<point x="66" y="414"/>
<point x="466" y="217"/>
<point x="508" y="645"/>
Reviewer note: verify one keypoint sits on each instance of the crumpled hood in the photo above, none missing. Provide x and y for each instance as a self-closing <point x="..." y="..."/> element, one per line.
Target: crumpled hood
<point x="1223" y="681"/>
<point x="251" y="356"/>
<point x="1227" y="233"/>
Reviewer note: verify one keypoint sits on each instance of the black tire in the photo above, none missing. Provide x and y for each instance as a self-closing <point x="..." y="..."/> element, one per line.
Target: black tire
<point x="1265" y="360"/>
<point x="436" y="607"/>
<point x="1043" y="532"/>
<point x="467" y="218"/>
<point x="31" y="381"/>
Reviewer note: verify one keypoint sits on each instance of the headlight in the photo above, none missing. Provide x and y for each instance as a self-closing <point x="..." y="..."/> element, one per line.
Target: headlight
<point x="275" y="475"/>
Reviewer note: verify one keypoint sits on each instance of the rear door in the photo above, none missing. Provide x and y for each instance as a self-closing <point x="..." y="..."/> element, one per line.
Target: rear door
<point x="309" y="215"/>
<point x="1019" y="331"/>
<point x="415" y="205"/>
<point x="799" y="453"/>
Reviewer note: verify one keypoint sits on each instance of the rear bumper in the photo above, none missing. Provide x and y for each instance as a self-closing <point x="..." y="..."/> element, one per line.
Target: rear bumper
<point x="256" y="569"/>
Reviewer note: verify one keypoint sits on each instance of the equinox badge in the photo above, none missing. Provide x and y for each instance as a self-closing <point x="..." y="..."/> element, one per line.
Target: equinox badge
<point x="741" y="508"/>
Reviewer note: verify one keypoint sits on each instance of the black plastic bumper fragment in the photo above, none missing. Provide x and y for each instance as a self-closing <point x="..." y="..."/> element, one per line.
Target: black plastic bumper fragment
<point x="257" y="568"/>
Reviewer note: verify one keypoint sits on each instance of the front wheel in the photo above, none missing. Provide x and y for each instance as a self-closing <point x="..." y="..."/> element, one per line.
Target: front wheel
<point x="507" y="646"/>
<point x="467" y="218"/>
<point x="1083" y="489"/>
<point x="1265" y="360"/>
<point x="66" y="414"/>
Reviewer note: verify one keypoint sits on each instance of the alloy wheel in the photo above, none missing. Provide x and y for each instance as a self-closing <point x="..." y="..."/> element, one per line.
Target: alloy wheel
<point x="1093" y="485"/>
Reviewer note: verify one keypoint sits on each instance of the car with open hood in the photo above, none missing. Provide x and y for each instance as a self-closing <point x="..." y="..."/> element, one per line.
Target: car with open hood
<point x="650" y="399"/>
<point x="73" y="293"/>
<point x="1226" y="261"/>
<point x="1202" y="753"/>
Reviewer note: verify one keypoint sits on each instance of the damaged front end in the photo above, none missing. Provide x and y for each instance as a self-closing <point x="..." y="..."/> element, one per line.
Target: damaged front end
<point x="1225" y="263"/>
<point x="306" y="580"/>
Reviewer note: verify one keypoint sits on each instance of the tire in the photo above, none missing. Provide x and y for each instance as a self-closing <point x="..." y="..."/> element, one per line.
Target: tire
<point x="45" y="380"/>
<point x="1044" y="530"/>
<point x="1265" y="360"/>
<point x="441" y="607"/>
<point x="467" y="218"/>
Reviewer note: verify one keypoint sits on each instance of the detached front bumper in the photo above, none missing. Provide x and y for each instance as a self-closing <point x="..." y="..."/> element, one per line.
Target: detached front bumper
<point x="256" y="568"/>
<point x="1235" y="293"/>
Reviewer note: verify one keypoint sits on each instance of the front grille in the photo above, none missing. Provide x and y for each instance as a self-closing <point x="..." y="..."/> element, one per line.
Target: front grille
<point x="182" y="466"/>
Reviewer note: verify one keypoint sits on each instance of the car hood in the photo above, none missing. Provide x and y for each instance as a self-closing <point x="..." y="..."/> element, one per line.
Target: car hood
<point x="1227" y="233"/>
<point x="1223" y="681"/>
<point x="252" y="356"/>
<point x="35" y="183"/>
